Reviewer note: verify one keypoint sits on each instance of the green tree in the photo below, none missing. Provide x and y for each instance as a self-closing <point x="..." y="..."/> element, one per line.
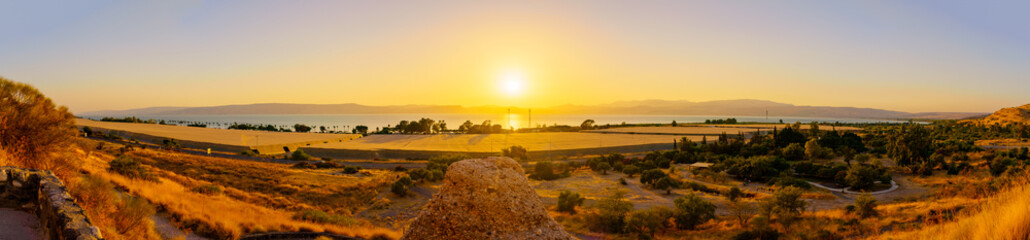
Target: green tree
<point x="612" y="213"/>
<point x="813" y="150"/>
<point x="667" y="184"/>
<point x="604" y="167"/>
<point x="301" y="128"/>
<point x="568" y="200"/>
<point x="649" y="177"/>
<point x="630" y="170"/>
<point x="361" y="129"/>
<point x="786" y="204"/>
<point x="910" y="147"/>
<point x="692" y="210"/>
<point x="862" y="176"/>
<point x="734" y="194"/>
<point x="794" y="151"/>
<point x="647" y="222"/>
<point x="587" y="124"/>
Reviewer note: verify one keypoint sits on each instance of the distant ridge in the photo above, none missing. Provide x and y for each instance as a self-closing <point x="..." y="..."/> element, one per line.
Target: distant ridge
<point x="1005" y="117"/>
<point x="741" y="107"/>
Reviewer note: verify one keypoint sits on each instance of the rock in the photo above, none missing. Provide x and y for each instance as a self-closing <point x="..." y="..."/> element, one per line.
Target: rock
<point x="485" y="199"/>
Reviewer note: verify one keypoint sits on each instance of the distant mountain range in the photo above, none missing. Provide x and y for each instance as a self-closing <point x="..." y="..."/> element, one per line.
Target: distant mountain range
<point x="743" y="107"/>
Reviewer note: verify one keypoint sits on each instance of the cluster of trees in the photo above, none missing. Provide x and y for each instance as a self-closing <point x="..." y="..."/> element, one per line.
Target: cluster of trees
<point x="421" y="126"/>
<point x="132" y="119"/>
<point x="721" y="121"/>
<point x="259" y="127"/>
<point x="487" y="127"/>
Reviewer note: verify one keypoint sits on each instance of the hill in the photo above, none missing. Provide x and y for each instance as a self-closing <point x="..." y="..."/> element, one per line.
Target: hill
<point x="741" y="107"/>
<point x="1006" y="116"/>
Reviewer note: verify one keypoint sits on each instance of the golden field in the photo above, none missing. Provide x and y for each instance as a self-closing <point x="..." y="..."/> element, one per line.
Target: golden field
<point x="495" y="142"/>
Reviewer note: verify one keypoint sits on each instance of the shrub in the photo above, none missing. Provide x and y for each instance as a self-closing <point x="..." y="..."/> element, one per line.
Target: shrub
<point x="32" y="129"/>
<point x="437" y="175"/>
<point x="419" y="174"/>
<point x="516" y="152"/>
<point x="622" y="181"/>
<point x="612" y="213"/>
<point x="794" y="151"/>
<point x="865" y="206"/>
<point x="131" y="168"/>
<point x="399" y="168"/>
<point x="692" y="210"/>
<point x="567" y="201"/>
<point x="544" y="170"/>
<point x="667" y="184"/>
<point x="399" y="188"/>
<point x="734" y="193"/>
<point x="209" y="189"/>
<point x="646" y="222"/>
<point x="862" y="177"/>
<point x="786" y="204"/>
<point x="441" y="162"/>
<point x="786" y="180"/>
<point x="299" y="155"/>
<point x="351" y="169"/>
<point x="319" y="216"/>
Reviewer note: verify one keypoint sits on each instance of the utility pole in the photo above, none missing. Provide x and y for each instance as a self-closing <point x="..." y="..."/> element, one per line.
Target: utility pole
<point x="509" y="118"/>
<point x="530" y="118"/>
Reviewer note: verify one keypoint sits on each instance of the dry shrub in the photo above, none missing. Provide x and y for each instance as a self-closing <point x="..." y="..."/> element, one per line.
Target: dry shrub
<point x="34" y="131"/>
<point x="117" y="216"/>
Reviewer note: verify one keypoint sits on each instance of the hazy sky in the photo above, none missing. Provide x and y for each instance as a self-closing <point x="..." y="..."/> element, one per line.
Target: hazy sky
<point x="899" y="55"/>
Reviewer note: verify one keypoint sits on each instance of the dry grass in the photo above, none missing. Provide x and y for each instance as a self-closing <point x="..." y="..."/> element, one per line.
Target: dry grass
<point x="1003" y="216"/>
<point x="230" y="215"/>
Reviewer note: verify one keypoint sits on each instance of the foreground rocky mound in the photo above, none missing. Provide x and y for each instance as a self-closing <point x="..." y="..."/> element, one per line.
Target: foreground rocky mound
<point x="1006" y="116"/>
<point x="485" y="199"/>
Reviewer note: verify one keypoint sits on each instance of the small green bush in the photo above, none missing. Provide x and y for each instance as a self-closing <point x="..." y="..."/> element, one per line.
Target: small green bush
<point x="568" y="200"/>
<point x="299" y="155"/>
<point x="131" y="168"/>
<point x="209" y="189"/>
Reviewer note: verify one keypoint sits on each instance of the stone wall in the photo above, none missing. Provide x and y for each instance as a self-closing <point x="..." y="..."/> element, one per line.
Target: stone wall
<point x="43" y="194"/>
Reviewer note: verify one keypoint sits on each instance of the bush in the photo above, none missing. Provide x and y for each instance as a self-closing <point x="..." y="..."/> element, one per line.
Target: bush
<point x="612" y="213"/>
<point x="786" y="180"/>
<point x="603" y="167"/>
<point x="865" y="206"/>
<point x="209" y="189"/>
<point x="419" y="174"/>
<point x="299" y="155"/>
<point x="646" y="222"/>
<point x="786" y="204"/>
<point x="131" y="168"/>
<point x="32" y="129"/>
<point x="544" y="170"/>
<point x="862" y="177"/>
<point x="516" y="152"/>
<point x="399" y="188"/>
<point x="567" y="201"/>
<point x="692" y="210"/>
<point x="319" y="216"/>
<point x="734" y="193"/>
<point x="794" y="151"/>
<point x="437" y="175"/>
<point x="351" y="169"/>
<point x="399" y="168"/>
<point x="441" y="162"/>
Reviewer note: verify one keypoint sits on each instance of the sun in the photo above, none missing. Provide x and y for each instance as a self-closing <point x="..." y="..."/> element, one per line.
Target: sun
<point x="512" y="83"/>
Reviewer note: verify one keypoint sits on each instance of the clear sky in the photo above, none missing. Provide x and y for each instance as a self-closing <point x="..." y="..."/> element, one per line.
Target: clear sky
<point x="899" y="55"/>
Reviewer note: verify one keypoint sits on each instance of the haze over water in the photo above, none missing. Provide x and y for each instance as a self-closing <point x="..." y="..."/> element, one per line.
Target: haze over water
<point x="345" y="122"/>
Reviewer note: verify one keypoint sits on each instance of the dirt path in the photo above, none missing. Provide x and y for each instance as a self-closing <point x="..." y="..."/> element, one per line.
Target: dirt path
<point x="168" y="230"/>
<point x="18" y="225"/>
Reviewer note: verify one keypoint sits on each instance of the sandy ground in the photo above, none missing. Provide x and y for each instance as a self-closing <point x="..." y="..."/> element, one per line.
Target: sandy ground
<point x="18" y="225"/>
<point x="494" y="142"/>
<point x="219" y="136"/>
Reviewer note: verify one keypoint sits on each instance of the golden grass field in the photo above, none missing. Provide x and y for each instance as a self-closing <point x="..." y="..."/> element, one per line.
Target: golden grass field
<point x="495" y="142"/>
<point x="218" y="136"/>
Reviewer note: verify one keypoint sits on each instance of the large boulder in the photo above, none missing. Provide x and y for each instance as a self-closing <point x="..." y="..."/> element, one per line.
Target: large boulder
<point x="485" y="199"/>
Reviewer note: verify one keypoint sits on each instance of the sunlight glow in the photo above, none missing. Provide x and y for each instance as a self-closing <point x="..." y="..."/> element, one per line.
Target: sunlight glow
<point x="513" y="83"/>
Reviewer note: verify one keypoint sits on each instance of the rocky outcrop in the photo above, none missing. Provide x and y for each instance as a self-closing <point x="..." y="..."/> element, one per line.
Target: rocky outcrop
<point x="46" y="196"/>
<point x="485" y="199"/>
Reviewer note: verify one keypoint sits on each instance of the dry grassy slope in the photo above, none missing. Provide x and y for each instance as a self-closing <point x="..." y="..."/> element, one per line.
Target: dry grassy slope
<point x="1005" y="116"/>
<point x="1003" y="217"/>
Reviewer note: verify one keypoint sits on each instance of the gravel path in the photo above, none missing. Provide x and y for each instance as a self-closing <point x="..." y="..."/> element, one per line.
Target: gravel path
<point x="18" y="225"/>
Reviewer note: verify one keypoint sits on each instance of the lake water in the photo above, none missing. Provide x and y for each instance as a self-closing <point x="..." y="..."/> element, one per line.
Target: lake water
<point x="345" y="122"/>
